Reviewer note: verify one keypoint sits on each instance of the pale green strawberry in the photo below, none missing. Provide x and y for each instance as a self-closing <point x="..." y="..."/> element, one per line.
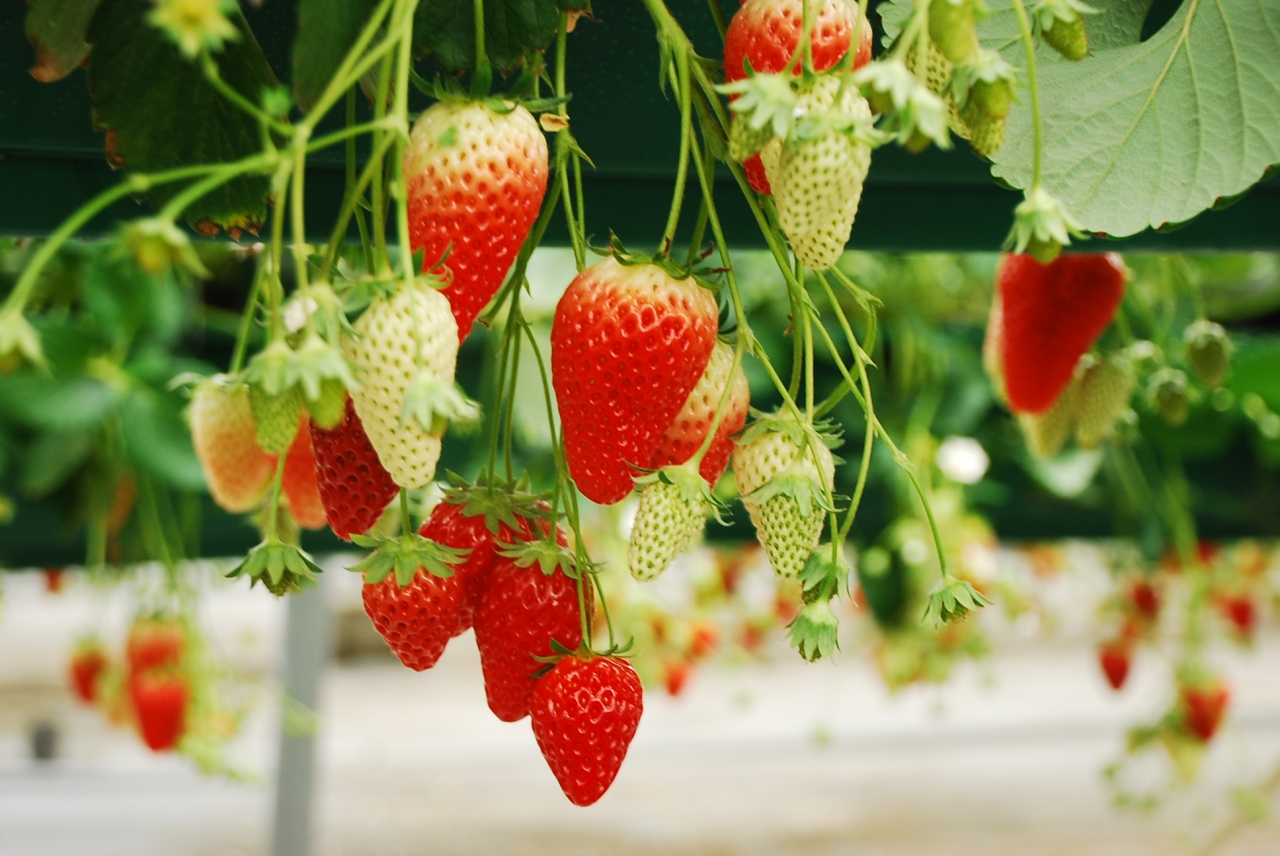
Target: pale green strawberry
<point x="276" y="417"/>
<point x="986" y="135"/>
<point x="953" y="28"/>
<point x="935" y="73"/>
<point x="674" y="503"/>
<point x="1068" y="38"/>
<point x="328" y="408"/>
<point x="405" y="436"/>
<point x="1105" y="388"/>
<point x="1208" y="351"/>
<point x="1046" y="433"/>
<point x="744" y="140"/>
<point x="817" y="182"/>
<point x="785" y="474"/>
<point x="1167" y="391"/>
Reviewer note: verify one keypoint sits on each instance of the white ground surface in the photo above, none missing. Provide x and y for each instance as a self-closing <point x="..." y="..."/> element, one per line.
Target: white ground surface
<point x="781" y="758"/>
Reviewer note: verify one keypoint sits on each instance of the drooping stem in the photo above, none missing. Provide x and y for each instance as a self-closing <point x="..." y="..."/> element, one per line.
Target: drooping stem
<point x="680" y="80"/>
<point x="1033" y="88"/>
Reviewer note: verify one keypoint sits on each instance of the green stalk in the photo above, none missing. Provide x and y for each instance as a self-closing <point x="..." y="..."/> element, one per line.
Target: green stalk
<point x="680" y="79"/>
<point x="1029" y="48"/>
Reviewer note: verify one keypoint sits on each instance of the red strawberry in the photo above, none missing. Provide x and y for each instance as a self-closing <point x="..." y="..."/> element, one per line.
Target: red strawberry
<point x="419" y="619"/>
<point x="225" y="441"/>
<point x="476" y="178"/>
<point x="689" y="428"/>
<point x="87" y="664"/>
<point x="154" y="643"/>
<point x="1203" y="707"/>
<point x="299" y="481"/>
<point x="1115" y="658"/>
<point x="585" y="713"/>
<point x="522" y="610"/>
<point x="628" y="345"/>
<point x="765" y="33"/>
<point x="1145" y="599"/>
<point x="354" y="487"/>
<point x="53" y="579"/>
<point x="704" y="640"/>
<point x="675" y="674"/>
<point x="160" y="707"/>
<point x="1240" y="610"/>
<point x="1052" y="314"/>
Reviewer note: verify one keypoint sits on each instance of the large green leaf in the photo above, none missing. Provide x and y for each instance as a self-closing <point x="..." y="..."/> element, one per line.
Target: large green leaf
<point x="158" y="441"/>
<point x="160" y="112"/>
<point x="52" y="459"/>
<point x="446" y="28"/>
<point x="56" y="30"/>
<point x="1154" y="133"/>
<point x="326" y="31"/>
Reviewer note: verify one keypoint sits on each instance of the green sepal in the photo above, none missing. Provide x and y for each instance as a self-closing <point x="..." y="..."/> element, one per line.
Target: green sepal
<point x="434" y="403"/>
<point x="813" y="631"/>
<point x="693" y="487"/>
<point x="501" y="502"/>
<point x="157" y="243"/>
<point x="548" y="556"/>
<point x="317" y="362"/>
<point x="1042" y="226"/>
<point x="822" y="578"/>
<point x="914" y="115"/>
<point x="282" y="568"/>
<point x="19" y="342"/>
<point x="766" y="101"/>
<point x="808" y="493"/>
<point x="405" y="555"/>
<point x="799" y="433"/>
<point x="987" y="81"/>
<point x="952" y="600"/>
<point x="319" y="309"/>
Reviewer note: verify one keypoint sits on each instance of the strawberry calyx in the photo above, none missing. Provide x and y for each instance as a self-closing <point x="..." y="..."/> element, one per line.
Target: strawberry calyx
<point x="583" y="652"/>
<point x="450" y="90"/>
<point x="548" y="555"/>
<point x="405" y="555"/>
<point x="435" y="404"/>
<point x="813" y="631"/>
<point x="280" y="567"/>
<point x="1042" y="226"/>
<point x="952" y="599"/>
<point x="693" y="488"/>
<point x="909" y="111"/>
<point x="156" y="243"/>
<point x="502" y="502"/>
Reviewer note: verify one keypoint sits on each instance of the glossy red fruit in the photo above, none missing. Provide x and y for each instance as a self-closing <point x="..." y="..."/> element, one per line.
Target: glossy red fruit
<point x="1115" y="658"/>
<point x="88" y="662"/>
<point x="160" y="707"/>
<point x="585" y="713"/>
<point x="354" y="486"/>
<point x="418" y="620"/>
<point x="522" y="610"/>
<point x="476" y="178"/>
<point x="765" y="33"/>
<point x="1203" y="707"/>
<point x="450" y="525"/>
<point x="1051" y="315"/>
<point x="300" y="482"/>
<point x="628" y="344"/>
<point x="154" y="643"/>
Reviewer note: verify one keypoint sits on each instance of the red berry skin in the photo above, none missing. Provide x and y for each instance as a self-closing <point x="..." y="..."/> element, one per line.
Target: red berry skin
<point x="1203" y="708"/>
<point x="354" y="486"/>
<point x="1241" y="612"/>
<point x="160" y="707"/>
<point x="522" y="610"/>
<point x="1115" y="659"/>
<point x="628" y="345"/>
<point x="448" y="525"/>
<point x="765" y="33"/>
<point x="85" y="668"/>
<point x="685" y="435"/>
<point x="585" y="713"/>
<point x="1145" y="599"/>
<point x="299" y="481"/>
<point x="418" y="620"/>
<point x="154" y="643"/>
<point x="1051" y="315"/>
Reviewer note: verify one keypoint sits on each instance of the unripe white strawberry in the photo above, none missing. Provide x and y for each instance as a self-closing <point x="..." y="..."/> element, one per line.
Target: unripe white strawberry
<point x="383" y="354"/>
<point x="817" y="182"/>
<point x="689" y="429"/>
<point x="785" y="473"/>
<point x="236" y="469"/>
<point x="1105" y="389"/>
<point x="1046" y="433"/>
<point x="674" y="504"/>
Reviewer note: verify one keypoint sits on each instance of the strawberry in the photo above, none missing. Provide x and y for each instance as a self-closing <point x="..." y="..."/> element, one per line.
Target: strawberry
<point x="300" y="481"/>
<point x="766" y="33"/>
<point x="1145" y="599"/>
<point x="1167" y="392"/>
<point x="1208" y="351"/>
<point x="160" y="699"/>
<point x="953" y="28"/>
<point x="354" y="487"/>
<point x="785" y="473"/>
<point x="1115" y="658"/>
<point x="691" y="424"/>
<point x="1068" y="37"/>
<point x="674" y="503"/>
<point x="1241" y="612"/>
<point x="523" y="609"/>
<point x="419" y="619"/>
<point x="1203" y="705"/>
<point x="1046" y="433"/>
<point x="223" y="434"/>
<point x="675" y="675"/>
<point x="154" y="643"/>
<point x="475" y="177"/>
<point x="1052" y="314"/>
<point x="628" y="344"/>
<point x="276" y="403"/>
<point x="328" y="408"/>
<point x="585" y="712"/>
<point x="1105" y="387"/>
<point x="384" y="348"/>
<point x="88" y="662"/>
<point x="818" y="181"/>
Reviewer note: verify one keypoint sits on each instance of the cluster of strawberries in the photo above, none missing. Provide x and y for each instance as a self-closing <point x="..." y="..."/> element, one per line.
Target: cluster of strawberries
<point x="151" y="689"/>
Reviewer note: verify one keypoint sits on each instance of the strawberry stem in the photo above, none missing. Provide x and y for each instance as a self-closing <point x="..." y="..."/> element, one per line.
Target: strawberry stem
<point x="1029" y="48"/>
<point x="680" y="80"/>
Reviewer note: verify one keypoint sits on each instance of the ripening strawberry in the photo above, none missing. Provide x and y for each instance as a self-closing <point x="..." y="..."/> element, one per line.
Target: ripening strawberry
<point x="1115" y="658"/>
<point x="765" y="34"/>
<point x="88" y="662"/>
<point x="1046" y="433"/>
<point x="521" y="611"/>
<point x="300" y="482"/>
<point x="383" y="352"/>
<point x="628" y="344"/>
<point x="476" y="177"/>
<point x="784" y="473"/>
<point x="817" y="183"/>
<point x="354" y="487"/>
<point x="1240" y="610"/>
<point x="585" y="713"/>
<point x="155" y="643"/>
<point x="1052" y="314"/>
<point x="160" y="698"/>
<point x="223" y="434"/>
<point x="1105" y="389"/>
<point x="689" y="428"/>
<point x="275" y="417"/>
<point x="1203" y="706"/>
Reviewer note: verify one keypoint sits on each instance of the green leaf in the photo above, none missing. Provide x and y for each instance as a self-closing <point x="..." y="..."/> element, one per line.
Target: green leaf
<point x="158" y="441"/>
<point x="1152" y="134"/>
<point x="326" y="31"/>
<point x="447" y="29"/>
<point x="56" y="29"/>
<point x="54" y="404"/>
<point x="52" y="459"/>
<point x="160" y="111"/>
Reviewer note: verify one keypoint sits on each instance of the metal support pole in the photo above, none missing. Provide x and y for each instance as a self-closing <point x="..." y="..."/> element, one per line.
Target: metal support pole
<point x="306" y="651"/>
